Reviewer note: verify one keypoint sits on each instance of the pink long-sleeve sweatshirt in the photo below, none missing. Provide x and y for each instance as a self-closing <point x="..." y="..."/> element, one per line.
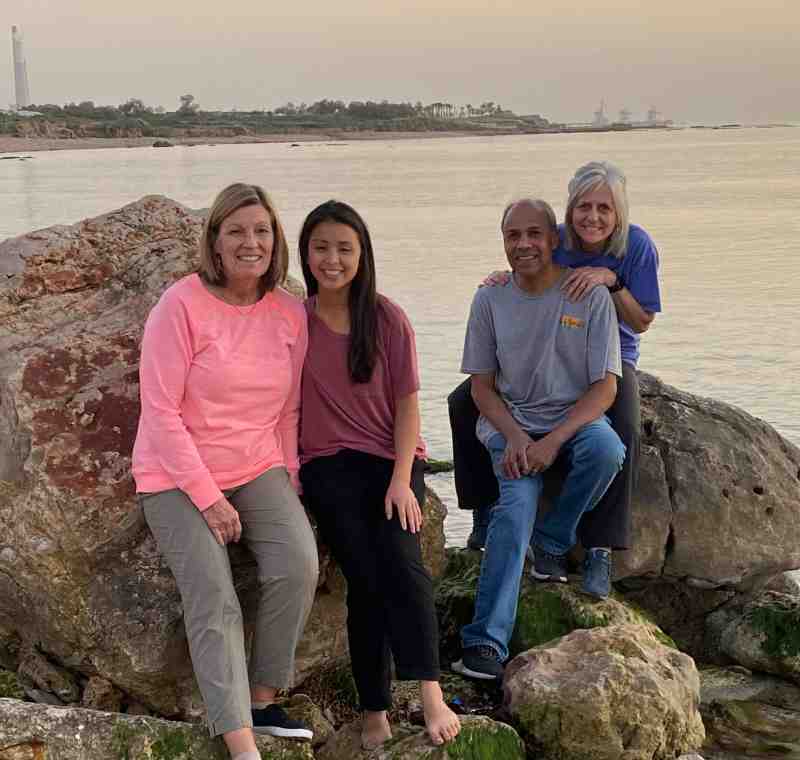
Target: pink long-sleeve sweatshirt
<point x="220" y="391"/>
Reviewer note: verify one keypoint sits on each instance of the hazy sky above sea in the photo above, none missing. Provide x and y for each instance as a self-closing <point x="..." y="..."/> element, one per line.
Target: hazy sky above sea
<point x="696" y="61"/>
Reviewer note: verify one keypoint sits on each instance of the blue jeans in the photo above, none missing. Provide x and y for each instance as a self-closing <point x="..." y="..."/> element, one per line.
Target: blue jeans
<point x="594" y="456"/>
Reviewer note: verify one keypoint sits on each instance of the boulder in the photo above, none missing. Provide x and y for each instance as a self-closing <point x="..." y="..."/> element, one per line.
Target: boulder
<point x="69" y="733"/>
<point x="605" y="694"/>
<point x="750" y="713"/>
<point x="81" y="580"/>
<point x="762" y="633"/>
<point x="709" y="473"/>
<point x="480" y="738"/>
<point x="545" y="611"/>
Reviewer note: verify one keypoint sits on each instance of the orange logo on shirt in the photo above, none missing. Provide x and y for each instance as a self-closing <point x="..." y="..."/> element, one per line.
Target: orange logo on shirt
<point x="574" y="322"/>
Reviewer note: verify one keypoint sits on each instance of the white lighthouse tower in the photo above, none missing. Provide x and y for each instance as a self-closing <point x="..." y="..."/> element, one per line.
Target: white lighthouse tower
<point x="21" y="91"/>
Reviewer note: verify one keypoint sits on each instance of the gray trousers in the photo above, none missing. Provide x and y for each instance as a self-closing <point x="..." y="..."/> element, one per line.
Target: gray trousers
<point x="276" y="530"/>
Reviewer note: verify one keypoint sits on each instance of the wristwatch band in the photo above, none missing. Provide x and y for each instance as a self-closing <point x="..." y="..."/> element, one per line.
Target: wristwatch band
<point x="617" y="286"/>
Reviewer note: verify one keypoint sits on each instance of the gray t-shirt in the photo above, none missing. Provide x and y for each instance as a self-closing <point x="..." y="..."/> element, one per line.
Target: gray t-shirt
<point x="545" y="350"/>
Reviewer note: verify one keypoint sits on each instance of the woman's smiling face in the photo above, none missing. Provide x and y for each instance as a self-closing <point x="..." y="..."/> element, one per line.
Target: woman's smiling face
<point x="244" y="243"/>
<point x="334" y="254"/>
<point x="594" y="218"/>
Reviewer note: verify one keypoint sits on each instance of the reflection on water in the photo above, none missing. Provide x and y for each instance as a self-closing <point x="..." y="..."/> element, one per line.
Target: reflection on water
<point x="721" y="207"/>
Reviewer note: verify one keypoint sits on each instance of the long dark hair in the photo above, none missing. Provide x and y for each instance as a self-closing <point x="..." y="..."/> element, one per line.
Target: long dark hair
<point x="363" y="297"/>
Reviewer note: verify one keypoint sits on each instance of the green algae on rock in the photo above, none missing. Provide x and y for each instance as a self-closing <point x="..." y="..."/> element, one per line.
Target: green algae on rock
<point x="78" y="734"/>
<point x="761" y="633"/>
<point x="480" y="739"/>
<point x="544" y="611"/>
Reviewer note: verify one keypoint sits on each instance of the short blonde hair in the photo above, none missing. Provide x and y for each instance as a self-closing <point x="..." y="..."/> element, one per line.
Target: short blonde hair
<point x="587" y="178"/>
<point x="229" y="200"/>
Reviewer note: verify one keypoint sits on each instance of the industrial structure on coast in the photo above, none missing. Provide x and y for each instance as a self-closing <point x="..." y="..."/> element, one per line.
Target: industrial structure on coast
<point x="22" y="93"/>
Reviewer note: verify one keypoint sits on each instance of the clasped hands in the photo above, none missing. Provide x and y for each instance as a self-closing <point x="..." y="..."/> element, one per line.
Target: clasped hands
<point x="524" y="456"/>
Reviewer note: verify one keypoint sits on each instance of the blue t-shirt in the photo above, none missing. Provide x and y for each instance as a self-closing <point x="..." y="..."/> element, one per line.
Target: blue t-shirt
<point x="638" y="269"/>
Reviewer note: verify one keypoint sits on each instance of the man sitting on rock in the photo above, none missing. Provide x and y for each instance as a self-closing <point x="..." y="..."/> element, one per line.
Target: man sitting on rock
<point x="544" y="371"/>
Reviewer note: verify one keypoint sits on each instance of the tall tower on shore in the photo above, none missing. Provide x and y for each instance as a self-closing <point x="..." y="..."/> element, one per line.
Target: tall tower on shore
<point x="21" y="91"/>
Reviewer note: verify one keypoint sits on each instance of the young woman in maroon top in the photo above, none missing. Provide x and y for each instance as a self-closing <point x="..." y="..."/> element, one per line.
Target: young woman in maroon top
<point x="361" y="467"/>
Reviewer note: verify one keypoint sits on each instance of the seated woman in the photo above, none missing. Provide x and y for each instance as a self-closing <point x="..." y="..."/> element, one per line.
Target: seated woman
<point x="362" y="469"/>
<point x="603" y="249"/>
<point x="215" y="461"/>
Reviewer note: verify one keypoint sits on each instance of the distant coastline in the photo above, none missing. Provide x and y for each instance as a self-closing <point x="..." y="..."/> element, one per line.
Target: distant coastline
<point x="22" y="145"/>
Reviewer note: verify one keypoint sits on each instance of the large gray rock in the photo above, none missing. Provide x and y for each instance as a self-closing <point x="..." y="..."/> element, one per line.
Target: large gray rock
<point x="710" y="473"/>
<point x="37" y="732"/>
<point x="605" y="694"/>
<point x="81" y="580"/>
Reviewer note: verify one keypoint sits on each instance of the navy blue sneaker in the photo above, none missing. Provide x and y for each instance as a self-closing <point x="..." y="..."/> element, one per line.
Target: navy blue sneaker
<point x="480" y="662"/>
<point x="274" y="721"/>
<point x="549" y="567"/>
<point x="597" y="573"/>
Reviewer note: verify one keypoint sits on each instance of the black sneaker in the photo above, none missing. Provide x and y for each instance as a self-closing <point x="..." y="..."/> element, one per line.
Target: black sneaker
<point x="274" y="721"/>
<point x="480" y="662"/>
<point x="549" y="567"/>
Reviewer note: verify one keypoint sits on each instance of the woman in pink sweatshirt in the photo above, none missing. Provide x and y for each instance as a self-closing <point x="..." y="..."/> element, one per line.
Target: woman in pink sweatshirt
<point x="216" y="461"/>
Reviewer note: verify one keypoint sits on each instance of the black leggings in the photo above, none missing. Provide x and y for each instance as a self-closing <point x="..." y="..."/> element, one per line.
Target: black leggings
<point x="609" y="523"/>
<point x="390" y="609"/>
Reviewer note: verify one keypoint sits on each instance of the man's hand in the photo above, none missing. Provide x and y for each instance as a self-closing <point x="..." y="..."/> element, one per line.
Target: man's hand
<point x="223" y="521"/>
<point x="515" y="457"/>
<point x="400" y="496"/>
<point x="542" y="453"/>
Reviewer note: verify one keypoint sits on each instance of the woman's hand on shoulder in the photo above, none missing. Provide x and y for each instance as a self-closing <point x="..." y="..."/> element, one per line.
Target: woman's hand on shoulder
<point x="583" y="280"/>
<point x="223" y="521"/>
<point x="400" y="496"/>
<point x="498" y="277"/>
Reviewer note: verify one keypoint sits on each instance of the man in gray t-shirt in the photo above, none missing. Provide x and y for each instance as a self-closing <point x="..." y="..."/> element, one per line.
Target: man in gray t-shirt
<point x="543" y="372"/>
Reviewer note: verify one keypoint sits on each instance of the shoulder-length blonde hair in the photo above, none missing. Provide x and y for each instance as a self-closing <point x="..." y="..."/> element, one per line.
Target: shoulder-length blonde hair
<point x="232" y="198"/>
<point x="587" y="178"/>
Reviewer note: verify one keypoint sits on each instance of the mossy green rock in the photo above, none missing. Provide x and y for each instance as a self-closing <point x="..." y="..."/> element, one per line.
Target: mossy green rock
<point x="78" y="734"/>
<point x="480" y="739"/>
<point x="605" y="693"/>
<point x="763" y="634"/>
<point x="544" y="612"/>
<point x="750" y="713"/>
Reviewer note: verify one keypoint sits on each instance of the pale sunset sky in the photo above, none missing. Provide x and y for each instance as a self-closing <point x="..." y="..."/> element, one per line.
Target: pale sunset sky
<point x="696" y="61"/>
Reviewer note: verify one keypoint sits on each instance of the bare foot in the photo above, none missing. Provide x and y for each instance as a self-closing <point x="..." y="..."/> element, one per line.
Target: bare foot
<point x="442" y="723"/>
<point x="375" y="729"/>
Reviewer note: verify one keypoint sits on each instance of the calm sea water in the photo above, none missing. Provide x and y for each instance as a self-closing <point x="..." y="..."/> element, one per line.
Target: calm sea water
<point x="722" y="206"/>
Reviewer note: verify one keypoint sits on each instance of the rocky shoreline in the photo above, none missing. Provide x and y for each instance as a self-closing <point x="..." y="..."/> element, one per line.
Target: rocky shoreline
<point x="25" y="145"/>
<point x="697" y="651"/>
